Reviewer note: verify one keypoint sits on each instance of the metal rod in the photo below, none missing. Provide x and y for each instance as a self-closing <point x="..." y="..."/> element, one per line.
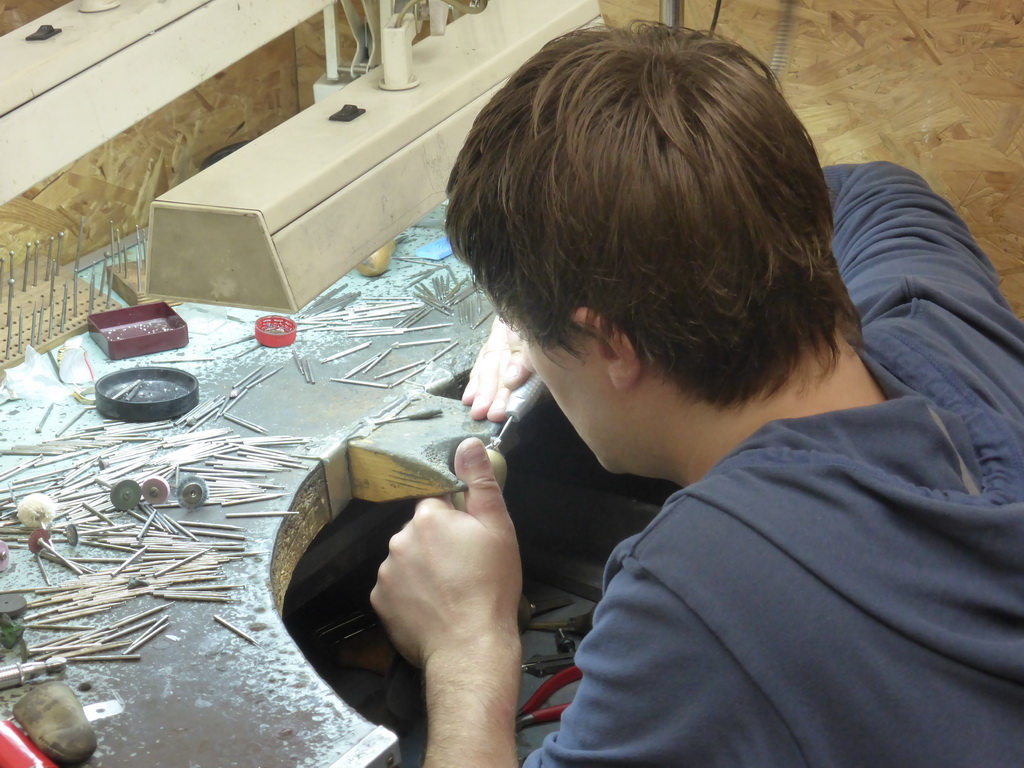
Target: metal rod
<point x="53" y="279"/>
<point x="64" y="307"/>
<point x="345" y="352"/>
<point x="362" y="383"/>
<point x="39" y="426"/>
<point x="140" y="246"/>
<point x="74" y="418"/>
<point x="138" y="273"/>
<point x="672" y="12"/>
<point x="401" y="368"/>
<point x="230" y="343"/>
<point x="60" y="249"/>
<point x="109" y="275"/>
<point x="10" y="313"/>
<point x="78" y="247"/>
<point x="245" y="423"/>
<point x="259" y="514"/>
<point x="401" y="344"/>
<point x="49" y="260"/>
<point x="235" y="629"/>
<point x="129" y="561"/>
<point x="42" y="570"/>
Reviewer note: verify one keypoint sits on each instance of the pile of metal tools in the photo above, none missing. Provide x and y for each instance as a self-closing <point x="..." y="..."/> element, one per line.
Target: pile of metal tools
<point x="98" y="555"/>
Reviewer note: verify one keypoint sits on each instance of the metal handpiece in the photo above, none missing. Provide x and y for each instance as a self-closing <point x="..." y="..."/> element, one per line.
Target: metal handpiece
<point x="14" y="675"/>
<point x="525" y="397"/>
<point x="519" y="404"/>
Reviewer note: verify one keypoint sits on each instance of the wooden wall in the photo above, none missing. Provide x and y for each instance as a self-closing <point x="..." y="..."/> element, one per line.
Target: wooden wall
<point x="937" y="85"/>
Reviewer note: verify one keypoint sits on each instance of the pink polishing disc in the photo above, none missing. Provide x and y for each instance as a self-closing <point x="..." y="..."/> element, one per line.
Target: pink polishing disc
<point x="155" y="490"/>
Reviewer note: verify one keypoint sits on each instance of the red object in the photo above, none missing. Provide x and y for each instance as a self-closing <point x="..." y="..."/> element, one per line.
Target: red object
<point x="17" y="750"/>
<point x="33" y="542"/>
<point x="275" y="331"/>
<point x="139" y="330"/>
<point x="532" y="712"/>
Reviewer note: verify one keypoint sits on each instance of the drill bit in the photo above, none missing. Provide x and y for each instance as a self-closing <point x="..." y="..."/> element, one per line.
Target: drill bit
<point x="53" y="277"/>
<point x="10" y="312"/>
<point x="103" y="272"/>
<point x="78" y="247"/>
<point x="138" y="272"/>
<point x="21" y="326"/>
<point x="64" y="307"/>
<point x="110" y="285"/>
<point x="60" y="249"/>
<point x="49" y="260"/>
<point x="122" y="254"/>
<point x="35" y="266"/>
<point x="24" y="279"/>
<point x="140" y="245"/>
<point x="519" y="403"/>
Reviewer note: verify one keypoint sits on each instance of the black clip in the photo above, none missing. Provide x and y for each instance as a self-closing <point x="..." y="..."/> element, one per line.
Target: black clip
<point x="347" y="114"/>
<point x="45" y="32"/>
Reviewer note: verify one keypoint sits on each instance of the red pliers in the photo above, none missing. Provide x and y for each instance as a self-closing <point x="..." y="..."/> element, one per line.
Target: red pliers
<point x="532" y="712"/>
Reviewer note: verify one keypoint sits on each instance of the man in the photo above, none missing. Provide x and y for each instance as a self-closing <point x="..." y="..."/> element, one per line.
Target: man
<point x="841" y="580"/>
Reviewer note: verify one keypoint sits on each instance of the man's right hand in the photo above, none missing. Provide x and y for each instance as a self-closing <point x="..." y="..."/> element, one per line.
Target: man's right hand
<point x="502" y="366"/>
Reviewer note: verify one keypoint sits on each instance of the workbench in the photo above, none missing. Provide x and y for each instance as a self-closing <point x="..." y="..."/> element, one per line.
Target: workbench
<point x="201" y="693"/>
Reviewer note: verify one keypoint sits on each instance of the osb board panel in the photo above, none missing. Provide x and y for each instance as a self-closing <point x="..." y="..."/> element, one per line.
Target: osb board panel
<point x="118" y="180"/>
<point x="17" y="13"/>
<point x="937" y="85"/>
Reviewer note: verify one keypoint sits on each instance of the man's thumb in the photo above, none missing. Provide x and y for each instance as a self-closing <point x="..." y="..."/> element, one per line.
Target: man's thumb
<point x="483" y="472"/>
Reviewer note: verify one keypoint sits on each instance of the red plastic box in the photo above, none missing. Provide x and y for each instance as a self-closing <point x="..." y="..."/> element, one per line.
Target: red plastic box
<point x="140" y="330"/>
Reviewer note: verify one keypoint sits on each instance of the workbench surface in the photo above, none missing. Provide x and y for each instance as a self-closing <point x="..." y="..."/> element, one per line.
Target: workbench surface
<point x="200" y="694"/>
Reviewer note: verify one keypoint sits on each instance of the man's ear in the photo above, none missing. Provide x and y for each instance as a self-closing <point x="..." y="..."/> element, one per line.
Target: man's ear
<point x="613" y="348"/>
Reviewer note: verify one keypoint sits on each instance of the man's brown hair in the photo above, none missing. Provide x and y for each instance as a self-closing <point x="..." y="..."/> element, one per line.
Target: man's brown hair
<point x="658" y="178"/>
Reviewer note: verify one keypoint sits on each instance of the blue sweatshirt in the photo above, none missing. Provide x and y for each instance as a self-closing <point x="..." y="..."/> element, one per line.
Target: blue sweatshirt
<point x="847" y="589"/>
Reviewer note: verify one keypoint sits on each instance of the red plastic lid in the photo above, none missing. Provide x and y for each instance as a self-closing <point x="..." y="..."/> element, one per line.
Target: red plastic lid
<point x="275" y="331"/>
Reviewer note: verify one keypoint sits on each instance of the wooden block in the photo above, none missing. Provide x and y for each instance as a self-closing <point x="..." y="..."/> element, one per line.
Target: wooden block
<point x="126" y="285"/>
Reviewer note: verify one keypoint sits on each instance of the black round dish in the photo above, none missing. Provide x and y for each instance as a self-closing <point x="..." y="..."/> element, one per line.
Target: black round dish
<point x="162" y="393"/>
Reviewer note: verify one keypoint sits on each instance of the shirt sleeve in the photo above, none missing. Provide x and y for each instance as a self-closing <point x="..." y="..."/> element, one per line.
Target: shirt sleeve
<point x="660" y="690"/>
<point x="895" y="240"/>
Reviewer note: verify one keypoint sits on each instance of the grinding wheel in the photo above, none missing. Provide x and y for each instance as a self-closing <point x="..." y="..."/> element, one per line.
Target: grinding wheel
<point x="71" y="534"/>
<point x="155" y="489"/>
<point x="33" y="540"/>
<point x="126" y="495"/>
<point x="13" y="605"/>
<point x="193" y="492"/>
